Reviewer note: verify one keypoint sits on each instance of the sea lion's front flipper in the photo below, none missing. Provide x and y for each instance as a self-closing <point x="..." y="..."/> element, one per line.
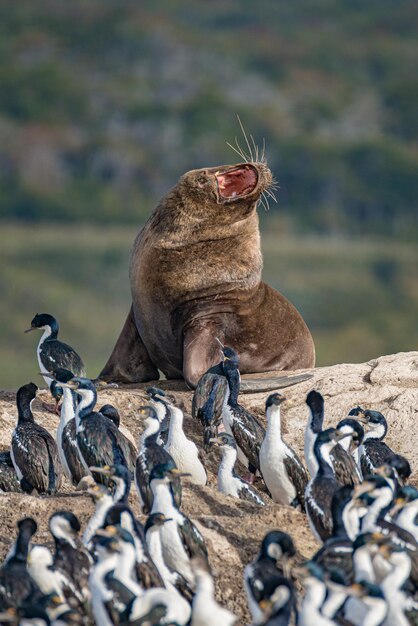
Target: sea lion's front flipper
<point x="129" y="361"/>
<point x="201" y="349"/>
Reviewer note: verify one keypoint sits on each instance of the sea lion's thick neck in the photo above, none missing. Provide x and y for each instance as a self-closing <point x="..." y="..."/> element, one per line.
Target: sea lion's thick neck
<point x="177" y="225"/>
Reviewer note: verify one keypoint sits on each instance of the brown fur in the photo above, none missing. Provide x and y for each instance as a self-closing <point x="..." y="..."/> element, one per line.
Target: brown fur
<point x="196" y="276"/>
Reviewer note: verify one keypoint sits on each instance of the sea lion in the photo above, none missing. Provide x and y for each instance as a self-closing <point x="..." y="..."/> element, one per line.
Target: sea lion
<point x="195" y="278"/>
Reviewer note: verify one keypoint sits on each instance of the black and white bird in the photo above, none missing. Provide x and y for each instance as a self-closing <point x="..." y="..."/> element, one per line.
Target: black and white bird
<point x="139" y="602"/>
<point x="345" y="468"/>
<point x="374" y="452"/>
<point x="120" y="516"/>
<point x="151" y="454"/>
<point x="8" y="477"/>
<point x="314" y="425"/>
<point x="103" y="499"/>
<point x="172" y="579"/>
<point x="158" y="399"/>
<point x="99" y="441"/>
<point x="345" y="456"/>
<point x="281" y="469"/>
<point x="16" y="584"/>
<point x="53" y="353"/>
<point x="180" y="539"/>
<point x="66" y="436"/>
<point x="271" y="564"/>
<point x="238" y="422"/>
<point x="405" y="512"/>
<point x="183" y="451"/>
<point x="323" y="485"/>
<point x="71" y="559"/>
<point x="33" y="450"/>
<point x="208" y="403"/>
<point x="229" y="482"/>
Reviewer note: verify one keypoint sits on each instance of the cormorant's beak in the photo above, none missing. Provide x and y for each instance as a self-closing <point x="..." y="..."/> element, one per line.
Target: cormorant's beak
<point x="8" y="616"/>
<point x="339" y="434"/>
<point x="105" y="470"/>
<point x="355" y="590"/>
<point x="215" y="440"/>
<point x="265" y="605"/>
<point x="71" y="385"/>
<point x="361" y="418"/>
<point x="47" y="375"/>
<point x="285" y="565"/>
<point x="178" y="473"/>
<point x="364" y="487"/>
<point x="29" y="330"/>
<point x="384" y="470"/>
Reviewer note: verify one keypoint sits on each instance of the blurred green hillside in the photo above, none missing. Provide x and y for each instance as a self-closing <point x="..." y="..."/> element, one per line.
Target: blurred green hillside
<point x="360" y="298"/>
<point x="103" y="104"/>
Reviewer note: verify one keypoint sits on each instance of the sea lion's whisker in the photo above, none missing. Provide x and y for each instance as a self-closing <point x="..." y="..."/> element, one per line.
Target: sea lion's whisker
<point x="242" y="151"/>
<point x="235" y="150"/>
<point x="246" y="138"/>
<point x="263" y="152"/>
<point x="255" y="148"/>
<point x="271" y="194"/>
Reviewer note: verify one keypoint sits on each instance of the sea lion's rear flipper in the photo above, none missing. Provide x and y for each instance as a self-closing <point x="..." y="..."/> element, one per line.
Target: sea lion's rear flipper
<point x="129" y="361"/>
<point x="201" y="350"/>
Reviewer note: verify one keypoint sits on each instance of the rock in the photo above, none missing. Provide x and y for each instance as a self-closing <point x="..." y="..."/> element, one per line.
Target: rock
<point x="234" y="530"/>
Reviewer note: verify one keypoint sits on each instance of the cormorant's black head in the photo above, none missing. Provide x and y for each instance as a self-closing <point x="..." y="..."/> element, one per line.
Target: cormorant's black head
<point x="408" y="493"/>
<point x="401" y="465"/>
<point x="227" y="440"/>
<point x="368" y="539"/>
<point x="314" y="570"/>
<point x="357" y="410"/>
<point x="166" y="471"/>
<point x="155" y="391"/>
<point x="337" y="576"/>
<point x="81" y="384"/>
<point x="56" y="391"/>
<point x="230" y="359"/>
<point x="230" y="354"/>
<point x="350" y="425"/>
<point x="274" y="399"/>
<point x="315" y="402"/>
<point x="363" y="588"/>
<point x="111" y="412"/>
<point x="25" y="395"/>
<point x="113" y="471"/>
<point x="371" y="486"/>
<point x="42" y="321"/>
<point x="156" y="519"/>
<point x="276" y="544"/>
<point x="330" y="435"/>
<point x="62" y="523"/>
<point x="62" y="375"/>
<point x="114" y="514"/>
<point x="27" y="526"/>
<point x="148" y="411"/>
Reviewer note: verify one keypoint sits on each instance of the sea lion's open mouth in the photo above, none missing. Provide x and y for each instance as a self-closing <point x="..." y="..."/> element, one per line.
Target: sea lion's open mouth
<point x="237" y="181"/>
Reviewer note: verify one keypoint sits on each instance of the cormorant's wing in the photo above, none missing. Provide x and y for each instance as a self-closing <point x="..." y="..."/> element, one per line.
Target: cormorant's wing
<point x="297" y="473"/>
<point x="345" y="468"/>
<point x="55" y="353"/>
<point x="248" y="493"/>
<point x="192" y="539"/>
<point x="248" y="434"/>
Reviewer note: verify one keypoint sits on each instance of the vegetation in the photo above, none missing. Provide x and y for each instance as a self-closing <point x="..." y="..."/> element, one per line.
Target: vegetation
<point x="80" y="275"/>
<point x="103" y="104"/>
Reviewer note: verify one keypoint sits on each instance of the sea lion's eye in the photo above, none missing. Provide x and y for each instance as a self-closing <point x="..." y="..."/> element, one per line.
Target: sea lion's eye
<point x="201" y="180"/>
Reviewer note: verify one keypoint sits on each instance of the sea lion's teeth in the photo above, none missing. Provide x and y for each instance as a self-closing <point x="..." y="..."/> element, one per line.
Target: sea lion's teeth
<point x="234" y="193"/>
